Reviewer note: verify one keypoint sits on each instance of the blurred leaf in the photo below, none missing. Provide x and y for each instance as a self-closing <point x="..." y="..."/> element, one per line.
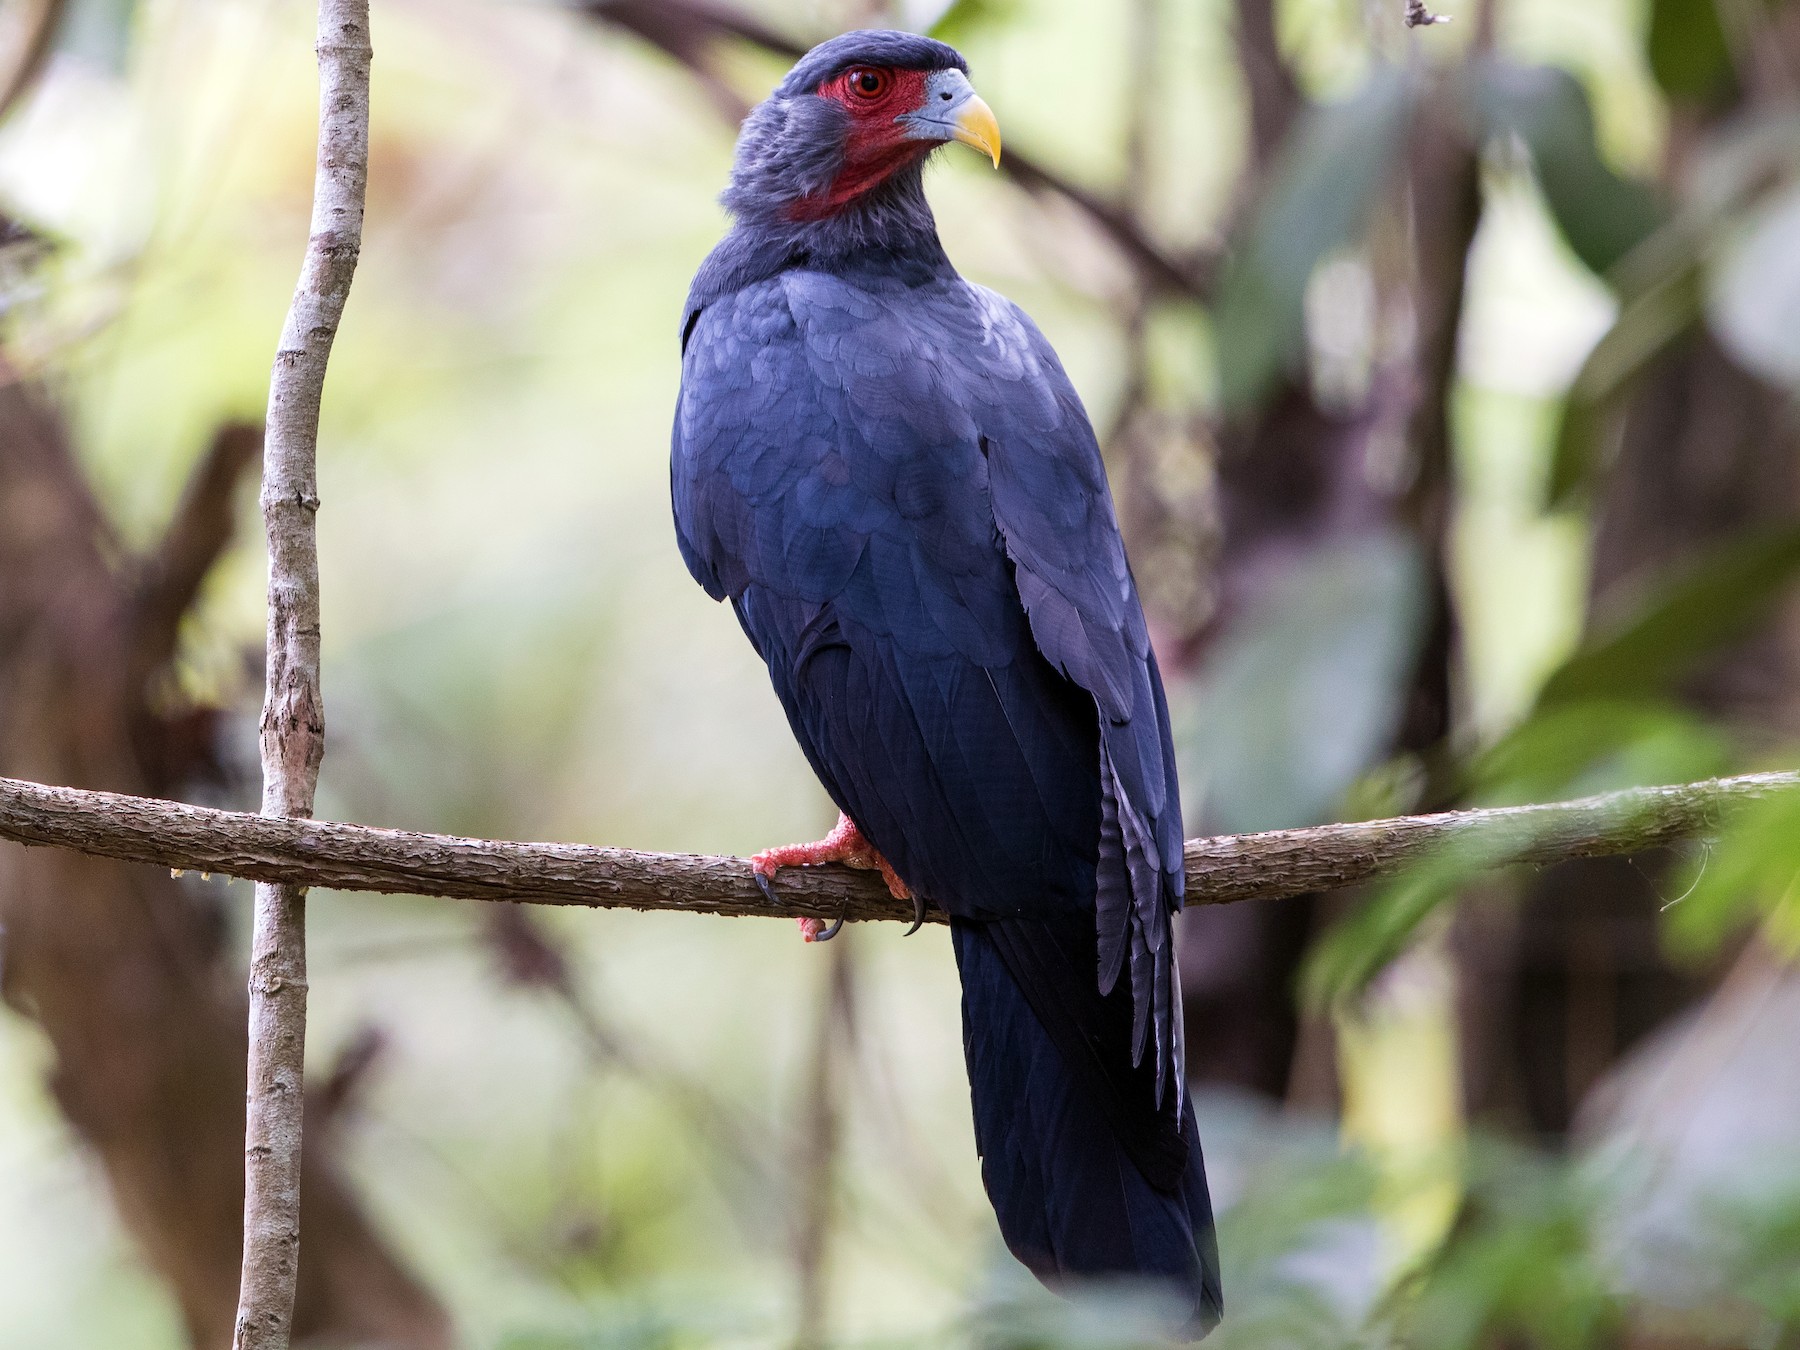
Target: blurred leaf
<point x="1355" y="949"/>
<point x="1302" y="694"/>
<point x="1579" y="748"/>
<point x="1755" y="300"/>
<point x="1717" y="600"/>
<point x="1325" y="186"/>
<point x="644" y="1331"/>
<point x="1598" y="726"/>
<point x="1303" y="1254"/>
<point x="1687" y="51"/>
<point x="1751" y="870"/>
<point x="1521" y="1268"/>
<point x="1762" y="1256"/>
<point x="959" y="18"/>
<point x="1663" y="288"/>
<point x="1125" y="1315"/>
<point x="1648" y="323"/>
<point x="1566" y="751"/>
<point x="1284" y="1207"/>
<point x="1602" y="215"/>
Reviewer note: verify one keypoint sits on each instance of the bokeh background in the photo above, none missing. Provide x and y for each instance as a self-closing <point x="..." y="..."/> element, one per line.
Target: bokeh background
<point x="1446" y="382"/>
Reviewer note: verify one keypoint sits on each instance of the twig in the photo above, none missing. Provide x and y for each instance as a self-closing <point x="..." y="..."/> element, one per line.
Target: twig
<point x="1417" y="16"/>
<point x="1220" y="870"/>
<point x="293" y="720"/>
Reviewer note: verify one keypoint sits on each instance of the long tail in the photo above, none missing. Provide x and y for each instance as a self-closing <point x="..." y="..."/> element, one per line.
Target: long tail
<point x="1089" y="1176"/>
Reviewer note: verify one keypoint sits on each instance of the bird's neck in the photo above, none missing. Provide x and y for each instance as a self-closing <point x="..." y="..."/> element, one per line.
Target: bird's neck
<point x="889" y="224"/>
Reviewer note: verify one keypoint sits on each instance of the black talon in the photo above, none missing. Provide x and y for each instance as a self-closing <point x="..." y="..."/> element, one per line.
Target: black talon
<point x="766" y="884"/>
<point x="827" y="934"/>
<point x="918" y="915"/>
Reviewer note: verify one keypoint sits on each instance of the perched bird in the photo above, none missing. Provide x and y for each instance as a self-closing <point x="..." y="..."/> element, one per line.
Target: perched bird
<point x="887" y="473"/>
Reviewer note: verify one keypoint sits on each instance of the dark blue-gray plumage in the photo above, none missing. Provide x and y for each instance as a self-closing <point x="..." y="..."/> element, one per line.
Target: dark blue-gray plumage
<point x="887" y="473"/>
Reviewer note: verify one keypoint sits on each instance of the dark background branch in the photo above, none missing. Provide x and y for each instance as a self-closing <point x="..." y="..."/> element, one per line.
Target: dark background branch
<point x="688" y="31"/>
<point x="121" y="967"/>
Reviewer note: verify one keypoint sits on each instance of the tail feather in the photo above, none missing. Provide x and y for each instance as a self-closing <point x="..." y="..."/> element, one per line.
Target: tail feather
<point x="1089" y="1176"/>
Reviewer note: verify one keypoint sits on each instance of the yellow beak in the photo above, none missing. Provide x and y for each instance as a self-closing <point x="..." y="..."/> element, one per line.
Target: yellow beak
<point x="976" y="126"/>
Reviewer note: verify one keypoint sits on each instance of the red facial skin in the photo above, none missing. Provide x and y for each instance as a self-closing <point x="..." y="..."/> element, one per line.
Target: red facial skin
<point x="875" y="146"/>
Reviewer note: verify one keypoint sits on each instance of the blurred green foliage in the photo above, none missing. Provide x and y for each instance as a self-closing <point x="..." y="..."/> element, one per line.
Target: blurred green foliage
<point x="1302" y="696"/>
<point x="1687" y="50"/>
<point x="1521" y="1264"/>
<point x="1324" y="190"/>
<point x="1602" y="214"/>
<point x="513" y="648"/>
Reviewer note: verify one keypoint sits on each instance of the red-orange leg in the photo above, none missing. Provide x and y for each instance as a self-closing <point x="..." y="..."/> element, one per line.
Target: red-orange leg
<point x="845" y="845"/>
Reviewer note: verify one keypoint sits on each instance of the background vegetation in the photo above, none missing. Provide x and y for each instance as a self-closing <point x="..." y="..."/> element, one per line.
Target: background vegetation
<point x="1446" y="380"/>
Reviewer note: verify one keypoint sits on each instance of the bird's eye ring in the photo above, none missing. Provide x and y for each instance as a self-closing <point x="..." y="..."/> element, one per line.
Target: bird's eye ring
<point x="866" y="83"/>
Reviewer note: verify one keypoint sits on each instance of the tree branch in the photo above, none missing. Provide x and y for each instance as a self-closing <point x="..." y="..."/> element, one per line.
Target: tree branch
<point x="32" y="50"/>
<point x="1272" y="91"/>
<point x="171" y="577"/>
<point x="293" y="719"/>
<point x="1273" y="865"/>
<point x="686" y="31"/>
<point x="1161" y="270"/>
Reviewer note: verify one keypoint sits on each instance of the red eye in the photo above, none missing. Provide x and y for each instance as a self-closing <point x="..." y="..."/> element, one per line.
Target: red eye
<point x="865" y="83"/>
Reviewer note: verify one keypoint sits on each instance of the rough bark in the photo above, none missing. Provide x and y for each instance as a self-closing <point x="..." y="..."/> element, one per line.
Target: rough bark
<point x="293" y="718"/>
<point x="1271" y="865"/>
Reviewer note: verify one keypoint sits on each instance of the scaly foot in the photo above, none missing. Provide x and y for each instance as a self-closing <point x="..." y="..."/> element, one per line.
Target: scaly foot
<point x="846" y="845"/>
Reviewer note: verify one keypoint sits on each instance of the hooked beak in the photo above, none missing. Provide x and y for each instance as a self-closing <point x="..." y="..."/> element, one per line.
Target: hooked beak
<point x="953" y="111"/>
<point x="978" y="127"/>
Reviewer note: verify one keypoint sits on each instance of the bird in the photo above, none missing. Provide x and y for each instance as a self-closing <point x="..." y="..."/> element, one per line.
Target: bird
<point x="887" y="473"/>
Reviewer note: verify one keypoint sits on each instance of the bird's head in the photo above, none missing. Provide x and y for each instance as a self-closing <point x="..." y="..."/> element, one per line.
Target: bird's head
<point x="855" y="114"/>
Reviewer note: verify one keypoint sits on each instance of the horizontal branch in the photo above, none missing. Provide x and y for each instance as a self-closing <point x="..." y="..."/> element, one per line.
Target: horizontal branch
<point x="1220" y="870"/>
